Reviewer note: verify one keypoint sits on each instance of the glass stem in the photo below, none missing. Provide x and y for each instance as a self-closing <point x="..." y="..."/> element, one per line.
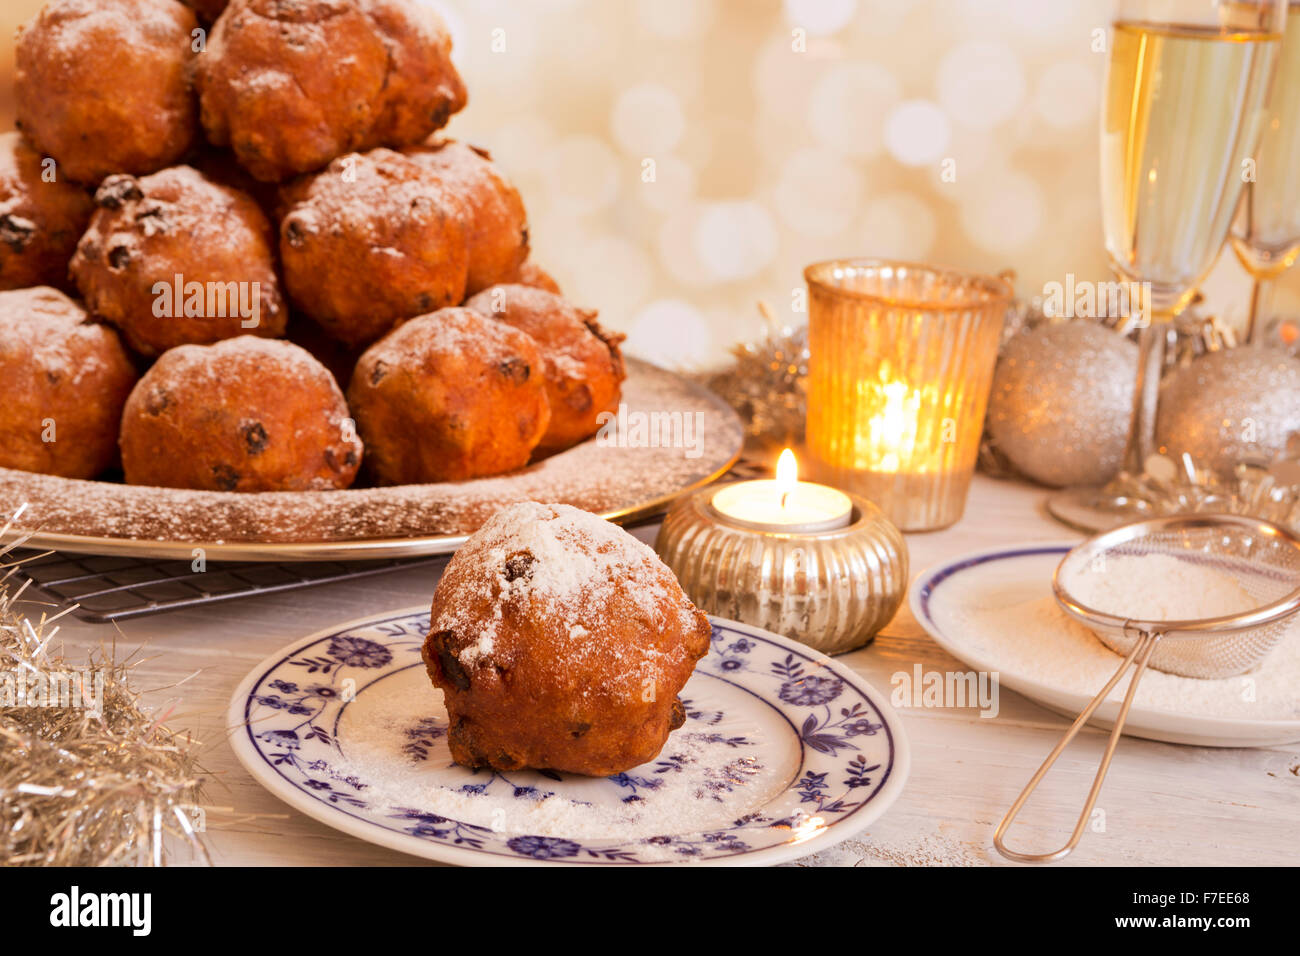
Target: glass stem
<point x="1252" y="323"/>
<point x="1142" y="426"/>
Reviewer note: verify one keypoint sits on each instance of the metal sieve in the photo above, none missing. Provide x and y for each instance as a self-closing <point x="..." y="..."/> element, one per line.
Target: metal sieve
<point x="1262" y="557"/>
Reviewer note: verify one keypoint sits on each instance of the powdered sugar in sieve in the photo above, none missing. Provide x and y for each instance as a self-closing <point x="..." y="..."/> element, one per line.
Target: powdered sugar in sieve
<point x="1203" y="596"/>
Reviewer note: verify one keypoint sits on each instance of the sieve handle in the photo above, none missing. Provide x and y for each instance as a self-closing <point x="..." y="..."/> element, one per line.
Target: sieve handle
<point x="1141" y="652"/>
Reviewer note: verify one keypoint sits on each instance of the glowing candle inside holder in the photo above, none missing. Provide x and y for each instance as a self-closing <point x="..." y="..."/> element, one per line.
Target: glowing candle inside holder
<point x="892" y="433"/>
<point x="804" y="560"/>
<point x="901" y="363"/>
<point x="785" y="504"/>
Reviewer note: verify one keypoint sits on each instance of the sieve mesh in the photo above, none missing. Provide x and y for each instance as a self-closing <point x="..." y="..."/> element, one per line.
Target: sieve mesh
<point x="1263" y="559"/>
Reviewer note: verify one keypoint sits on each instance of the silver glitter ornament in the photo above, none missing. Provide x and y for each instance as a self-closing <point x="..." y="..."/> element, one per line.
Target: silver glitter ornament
<point x="1061" y="401"/>
<point x="1232" y="406"/>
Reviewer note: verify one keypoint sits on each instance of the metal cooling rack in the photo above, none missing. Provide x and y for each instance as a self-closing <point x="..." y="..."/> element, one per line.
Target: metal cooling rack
<point x="114" y="588"/>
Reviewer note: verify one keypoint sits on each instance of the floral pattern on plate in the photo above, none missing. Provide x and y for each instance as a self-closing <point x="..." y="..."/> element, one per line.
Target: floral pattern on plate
<point x="783" y="752"/>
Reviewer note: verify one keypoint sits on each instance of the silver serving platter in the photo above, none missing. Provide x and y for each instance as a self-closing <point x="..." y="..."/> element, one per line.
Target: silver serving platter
<point x="672" y="435"/>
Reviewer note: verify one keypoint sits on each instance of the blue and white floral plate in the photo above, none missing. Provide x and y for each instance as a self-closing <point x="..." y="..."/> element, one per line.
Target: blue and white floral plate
<point x="784" y="752"/>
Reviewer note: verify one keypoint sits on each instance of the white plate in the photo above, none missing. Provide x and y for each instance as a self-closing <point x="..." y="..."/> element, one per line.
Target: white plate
<point x="1024" y="573"/>
<point x="784" y="752"/>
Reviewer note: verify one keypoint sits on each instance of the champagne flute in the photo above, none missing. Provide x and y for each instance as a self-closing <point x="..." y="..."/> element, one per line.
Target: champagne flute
<point x="1266" y="234"/>
<point x="1187" y="87"/>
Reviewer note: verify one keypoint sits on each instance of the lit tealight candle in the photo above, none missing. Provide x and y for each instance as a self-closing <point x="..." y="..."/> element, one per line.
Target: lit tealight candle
<point x="785" y="505"/>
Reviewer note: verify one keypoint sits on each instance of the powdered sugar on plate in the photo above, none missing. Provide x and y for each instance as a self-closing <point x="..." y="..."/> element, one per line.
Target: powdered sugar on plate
<point x="604" y="477"/>
<point x="693" y="785"/>
<point x="1020" y="626"/>
<point x="782" y="752"/>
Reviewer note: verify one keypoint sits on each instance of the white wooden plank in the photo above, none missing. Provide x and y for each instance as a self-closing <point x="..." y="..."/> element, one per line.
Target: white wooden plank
<point x="1164" y="804"/>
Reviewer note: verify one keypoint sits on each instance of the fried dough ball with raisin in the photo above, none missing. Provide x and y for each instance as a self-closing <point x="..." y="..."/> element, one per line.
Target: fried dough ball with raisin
<point x="175" y="259"/>
<point x="582" y="362"/>
<point x="560" y="642"/>
<point x="496" y="225"/>
<point x="65" y="380"/>
<point x="103" y="86"/>
<point x="370" y="241"/>
<point x="290" y="86"/>
<point x="245" y="414"/>
<point x="41" y="219"/>
<point x="530" y="273"/>
<point x="449" y="396"/>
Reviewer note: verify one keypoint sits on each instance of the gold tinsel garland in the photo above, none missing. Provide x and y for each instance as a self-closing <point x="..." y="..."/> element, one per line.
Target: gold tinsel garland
<point x="767" y="385"/>
<point x="83" y="785"/>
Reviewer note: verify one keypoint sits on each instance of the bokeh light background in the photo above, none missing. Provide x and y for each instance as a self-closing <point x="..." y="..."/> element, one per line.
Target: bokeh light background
<point x="681" y="159"/>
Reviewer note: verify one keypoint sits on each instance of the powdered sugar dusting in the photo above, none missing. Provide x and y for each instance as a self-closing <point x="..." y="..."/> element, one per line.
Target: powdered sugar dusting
<point x="697" y="783"/>
<point x="246" y="358"/>
<point x="603" y="478"/>
<point x="1035" y="639"/>
<point x="454" y="331"/>
<point x="560" y="563"/>
<point x="1160" y="587"/>
<point x="478" y="650"/>
<point x="43" y="327"/>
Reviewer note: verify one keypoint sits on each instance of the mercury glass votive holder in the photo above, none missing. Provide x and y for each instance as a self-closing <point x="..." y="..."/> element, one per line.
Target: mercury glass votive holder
<point x="832" y="590"/>
<point x="901" y="364"/>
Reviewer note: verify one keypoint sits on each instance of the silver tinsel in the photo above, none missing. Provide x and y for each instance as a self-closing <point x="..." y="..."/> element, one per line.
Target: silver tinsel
<point x="1193" y="334"/>
<point x="767" y="385"/>
<point x="1261" y="490"/>
<point x="81" y="786"/>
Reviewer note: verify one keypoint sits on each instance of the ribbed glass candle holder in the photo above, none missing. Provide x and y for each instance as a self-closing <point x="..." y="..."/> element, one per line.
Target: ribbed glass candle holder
<point x="832" y="590"/>
<point x="901" y="365"/>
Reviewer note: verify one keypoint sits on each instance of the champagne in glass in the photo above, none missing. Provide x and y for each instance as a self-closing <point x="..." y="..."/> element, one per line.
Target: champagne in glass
<point x="1266" y="236"/>
<point x="1186" y="94"/>
<point x="1184" y="107"/>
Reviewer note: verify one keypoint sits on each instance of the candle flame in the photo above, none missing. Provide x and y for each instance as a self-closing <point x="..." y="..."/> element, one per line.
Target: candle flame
<point x="894" y="423"/>
<point x="891" y="426"/>
<point x="787" y="471"/>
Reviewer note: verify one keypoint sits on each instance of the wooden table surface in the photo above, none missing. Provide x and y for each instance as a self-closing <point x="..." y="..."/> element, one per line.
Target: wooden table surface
<point x="1164" y="804"/>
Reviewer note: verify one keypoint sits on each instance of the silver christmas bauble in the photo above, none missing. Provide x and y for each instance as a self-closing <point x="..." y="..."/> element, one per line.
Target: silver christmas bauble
<point x="1230" y="406"/>
<point x="1061" y="402"/>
